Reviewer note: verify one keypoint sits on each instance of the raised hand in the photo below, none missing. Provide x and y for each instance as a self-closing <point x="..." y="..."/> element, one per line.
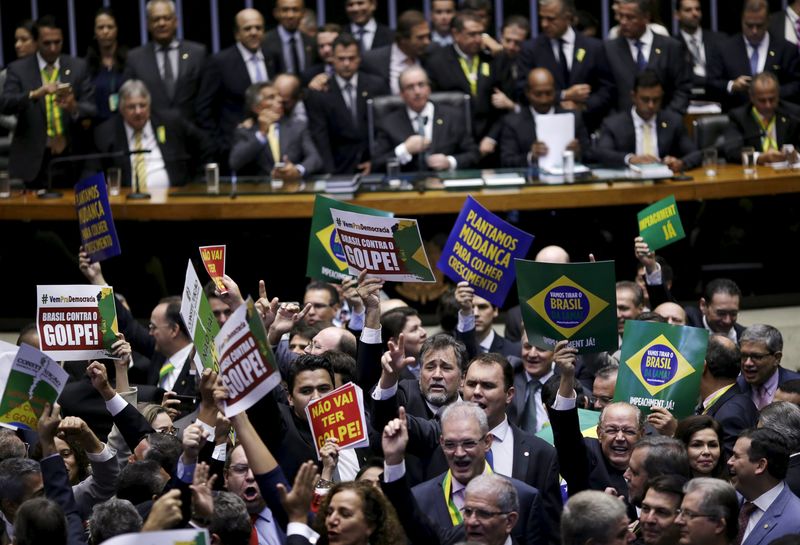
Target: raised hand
<point x="394" y="439"/>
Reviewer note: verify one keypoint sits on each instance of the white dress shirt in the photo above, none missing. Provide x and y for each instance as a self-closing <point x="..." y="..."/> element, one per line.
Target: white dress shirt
<point x="285" y="36"/>
<point x="503" y="448"/>
<point x="178" y="359"/>
<point x="368" y="35"/>
<point x="157" y="177"/>
<point x="398" y="61"/>
<point x="647" y="44"/>
<point x="569" y="46"/>
<point x="542" y="417"/>
<point x="790" y="34"/>
<point x="173" y="58"/>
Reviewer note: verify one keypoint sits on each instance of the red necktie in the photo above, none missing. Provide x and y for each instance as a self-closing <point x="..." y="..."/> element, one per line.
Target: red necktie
<point x="253" y="532"/>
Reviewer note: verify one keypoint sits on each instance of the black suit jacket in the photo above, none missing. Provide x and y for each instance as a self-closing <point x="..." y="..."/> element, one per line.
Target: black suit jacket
<point x="618" y="139"/>
<point x="383" y="35"/>
<point x="734" y="62"/>
<point x="252" y="158"/>
<point x="58" y="489"/>
<point x="142" y="64"/>
<point x="184" y="149"/>
<point x="273" y="50"/>
<point x="445" y="74"/>
<point x="519" y="134"/>
<point x="713" y="44"/>
<point x="667" y="59"/>
<point x="777" y="24"/>
<point x="342" y="142"/>
<point x="449" y="138"/>
<point x="735" y="412"/>
<point x="793" y="475"/>
<point x="784" y="375"/>
<point x="743" y="130"/>
<point x="376" y="61"/>
<point x="589" y="66"/>
<point x="30" y="136"/>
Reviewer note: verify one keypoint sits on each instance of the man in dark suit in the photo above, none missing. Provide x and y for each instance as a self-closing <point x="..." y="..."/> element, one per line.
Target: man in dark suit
<point x="254" y="152"/>
<point x="316" y="77"/>
<point x="170" y="68"/>
<point x="751" y="52"/>
<point x="369" y="34"/>
<point x="784" y="417"/>
<point x="718" y="309"/>
<point x="423" y="136"/>
<point x="177" y="148"/>
<point x="702" y="45"/>
<point x="766" y="123"/>
<point x="411" y="40"/>
<point x="288" y="49"/>
<point x="527" y="409"/>
<point x="638" y="48"/>
<point x="784" y="23"/>
<point x="519" y="145"/>
<point x="762" y="350"/>
<point x="578" y="63"/>
<point x="720" y="397"/>
<point x="226" y="77"/>
<point x="339" y="114"/>
<point x="52" y="96"/>
<point x="645" y="133"/>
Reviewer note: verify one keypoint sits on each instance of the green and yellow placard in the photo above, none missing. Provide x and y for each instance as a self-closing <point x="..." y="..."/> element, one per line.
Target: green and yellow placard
<point x="660" y="223"/>
<point x="572" y="301"/>
<point x="660" y="366"/>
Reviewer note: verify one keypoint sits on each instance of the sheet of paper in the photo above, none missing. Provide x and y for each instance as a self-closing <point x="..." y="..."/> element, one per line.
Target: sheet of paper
<point x="555" y="130"/>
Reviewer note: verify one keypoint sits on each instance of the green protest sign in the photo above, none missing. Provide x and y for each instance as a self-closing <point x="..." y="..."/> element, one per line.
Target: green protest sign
<point x="326" y="259"/>
<point x="200" y="321"/>
<point x="660" y="223"/>
<point x="660" y="366"/>
<point x="572" y="301"/>
<point x="587" y="420"/>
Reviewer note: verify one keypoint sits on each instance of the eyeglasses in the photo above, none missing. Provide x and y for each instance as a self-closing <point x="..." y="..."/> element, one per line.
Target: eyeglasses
<point x="602" y="399"/>
<point x="659" y="512"/>
<point x="481" y="514"/>
<point x="466" y="444"/>
<point x="167" y="430"/>
<point x="690" y="515"/>
<point x="239" y="469"/>
<point x="612" y="430"/>
<point x="152" y="327"/>
<point x="757" y="357"/>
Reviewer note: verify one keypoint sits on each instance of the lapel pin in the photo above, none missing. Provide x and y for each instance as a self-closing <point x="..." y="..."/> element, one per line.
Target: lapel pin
<point x="663" y="124"/>
<point x="185" y="56"/>
<point x="658" y="51"/>
<point x="771" y="53"/>
<point x="525" y="453"/>
<point x="439" y="121"/>
<point x="783" y="120"/>
<point x="364" y="93"/>
<point x="67" y="72"/>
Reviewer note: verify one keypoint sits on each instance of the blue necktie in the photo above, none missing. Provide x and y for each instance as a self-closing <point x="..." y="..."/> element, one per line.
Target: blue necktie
<point x="754" y="60"/>
<point x="641" y="62"/>
<point x="490" y="458"/>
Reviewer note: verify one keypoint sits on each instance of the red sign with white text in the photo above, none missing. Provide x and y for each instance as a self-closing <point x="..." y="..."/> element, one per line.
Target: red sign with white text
<point x="339" y="414"/>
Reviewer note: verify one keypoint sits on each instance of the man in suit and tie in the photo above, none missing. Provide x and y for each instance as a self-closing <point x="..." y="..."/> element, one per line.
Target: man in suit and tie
<point x="316" y="77"/>
<point x="527" y="409"/>
<point x="708" y="513"/>
<point x="442" y="13"/>
<point x="578" y="63"/>
<point x="758" y="469"/>
<point x="645" y="133"/>
<point x="786" y="23"/>
<point x="411" y="39"/>
<point x="702" y="44"/>
<point x="762" y="351"/>
<point x="339" y="114"/>
<point x="369" y="34"/>
<point x="638" y="48"/>
<point x="170" y="68"/>
<point x="227" y="76"/>
<point x="422" y="135"/>
<point x="51" y="95"/>
<point x="288" y="49"/>
<point x="274" y="144"/>
<point x="784" y="417"/>
<point x="751" y="52"/>
<point x="718" y="309"/>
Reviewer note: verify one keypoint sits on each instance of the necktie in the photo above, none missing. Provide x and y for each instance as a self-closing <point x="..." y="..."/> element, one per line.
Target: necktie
<point x="762" y="396"/>
<point x="641" y="62"/>
<point x="169" y="76"/>
<point x="422" y="121"/>
<point x="797" y="31"/>
<point x="297" y="67"/>
<point x="490" y="457"/>
<point x="167" y="368"/>
<point x="257" y="65"/>
<point x="694" y="49"/>
<point x="359" y="35"/>
<point x="253" y="531"/>
<point x="274" y="143"/>
<point x="562" y="61"/>
<point x="647" y="140"/>
<point x="528" y="421"/>
<point x="141" y="178"/>
<point x="744" y="517"/>
<point x="754" y="60"/>
<point x="351" y="101"/>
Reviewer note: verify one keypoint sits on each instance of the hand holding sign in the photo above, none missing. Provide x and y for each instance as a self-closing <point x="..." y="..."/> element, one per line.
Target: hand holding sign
<point x="663" y="421"/>
<point x="330" y="457"/>
<point x="565" y="358"/>
<point x="645" y="255"/>
<point x="464" y="295"/>
<point x="231" y="295"/>
<point x="91" y="269"/>
<point x="395" y="439"/>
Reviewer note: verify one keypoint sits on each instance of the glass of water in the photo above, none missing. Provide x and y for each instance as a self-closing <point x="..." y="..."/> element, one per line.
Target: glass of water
<point x="710" y="162"/>
<point x="749" y="160"/>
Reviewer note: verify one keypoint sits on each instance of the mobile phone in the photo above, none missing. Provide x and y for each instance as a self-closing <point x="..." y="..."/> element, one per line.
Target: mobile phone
<point x="63" y="89"/>
<point x="280" y="164"/>
<point x="187" y="403"/>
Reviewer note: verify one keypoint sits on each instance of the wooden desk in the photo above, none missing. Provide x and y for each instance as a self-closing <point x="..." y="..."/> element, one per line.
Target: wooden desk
<point x="729" y="183"/>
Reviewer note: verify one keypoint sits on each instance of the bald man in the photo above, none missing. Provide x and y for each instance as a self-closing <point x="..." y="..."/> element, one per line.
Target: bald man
<point x="673" y="313"/>
<point x="520" y="146"/>
<point x="228" y="74"/>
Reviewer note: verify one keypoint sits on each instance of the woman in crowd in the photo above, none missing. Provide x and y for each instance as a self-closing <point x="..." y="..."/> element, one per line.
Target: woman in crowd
<point x="24" y="45"/>
<point x="701" y="435"/>
<point x="106" y="60"/>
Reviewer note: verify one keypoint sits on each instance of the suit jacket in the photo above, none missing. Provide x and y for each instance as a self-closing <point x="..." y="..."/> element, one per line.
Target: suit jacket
<point x="793" y="475"/>
<point x="500" y="344"/>
<point x="142" y="64"/>
<point x="777" y="24"/>
<point x="376" y="61"/>
<point x="667" y="59"/>
<point x="446" y="74"/>
<point x="589" y="65"/>
<point x="449" y="138"/>
<point x="743" y="130"/>
<point x="250" y="157"/>
<point x="784" y="375"/>
<point x="57" y="488"/>
<point x="273" y="51"/>
<point x="220" y="97"/>
<point x="519" y="134"/>
<point x="383" y="36"/>
<point x="694" y="318"/>
<point x="517" y="406"/>
<point x="530" y="529"/>
<point x="341" y="141"/>
<point x="618" y="139"/>
<point x="184" y="149"/>
<point x="735" y="412"/>
<point x="782" y="517"/>
<point x="713" y="45"/>
<point x="30" y="136"/>
<point x="734" y="62"/>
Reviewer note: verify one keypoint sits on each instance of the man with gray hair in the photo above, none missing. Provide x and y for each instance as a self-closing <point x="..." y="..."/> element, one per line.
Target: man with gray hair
<point x="157" y="149"/>
<point x="709" y="513"/>
<point x="784" y="417"/>
<point x="484" y="493"/>
<point x="230" y="523"/>
<point x="112" y="518"/>
<point x="762" y="349"/>
<point x="593" y="517"/>
<point x="653" y="456"/>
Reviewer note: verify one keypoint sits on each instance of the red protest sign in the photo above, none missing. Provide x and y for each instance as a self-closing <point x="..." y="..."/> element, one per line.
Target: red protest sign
<point x="339" y="414"/>
<point x="214" y="261"/>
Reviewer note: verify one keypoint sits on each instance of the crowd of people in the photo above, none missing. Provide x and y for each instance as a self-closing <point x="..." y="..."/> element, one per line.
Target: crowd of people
<point x="300" y="99"/>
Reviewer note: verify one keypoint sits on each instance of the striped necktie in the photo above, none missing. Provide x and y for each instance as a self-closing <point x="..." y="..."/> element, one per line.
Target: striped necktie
<point x="138" y="162"/>
<point x="164" y="372"/>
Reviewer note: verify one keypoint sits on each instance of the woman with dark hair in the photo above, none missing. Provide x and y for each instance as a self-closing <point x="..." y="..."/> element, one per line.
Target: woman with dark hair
<point x="106" y="60"/>
<point x="24" y="45"/>
<point x="701" y="435"/>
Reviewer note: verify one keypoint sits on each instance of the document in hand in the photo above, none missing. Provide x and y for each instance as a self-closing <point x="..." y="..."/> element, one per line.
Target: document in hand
<point x="557" y="131"/>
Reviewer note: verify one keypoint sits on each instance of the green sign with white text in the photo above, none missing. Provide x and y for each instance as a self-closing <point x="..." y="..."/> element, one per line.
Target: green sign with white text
<point x="660" y="224"/>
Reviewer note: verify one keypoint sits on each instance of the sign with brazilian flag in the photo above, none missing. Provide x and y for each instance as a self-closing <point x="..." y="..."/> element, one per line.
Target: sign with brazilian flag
<point x="326" y="259"/>
<point x="660" y="366"/>
<point x="387" y="248"/>
<point x="572" y="301"/>
<point x="660" y="224"/>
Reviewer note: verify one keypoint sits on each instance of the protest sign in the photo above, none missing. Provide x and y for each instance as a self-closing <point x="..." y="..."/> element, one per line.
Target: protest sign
<point x="587" y="420"/>
<point x="76" y="322"/>
<point x="339" y="414"/>
<point x="200" y="321"/>
<point x="481" y="250"/>
<point x="660" y="224"/>
<point x="191" y="536"/>
<point x="214" y="261"/>
<point x="246" y="362"/>
<point x="661" y="366"/>
<point x="98" y="235"/>
<point x="27" y="382"/>
<point x="573" y="301"/>
<point x="326" y="259"/>
<point x="387" y="248"/>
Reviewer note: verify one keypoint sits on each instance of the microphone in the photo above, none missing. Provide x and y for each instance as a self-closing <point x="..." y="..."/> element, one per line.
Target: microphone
<point x="51" y="194"/>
